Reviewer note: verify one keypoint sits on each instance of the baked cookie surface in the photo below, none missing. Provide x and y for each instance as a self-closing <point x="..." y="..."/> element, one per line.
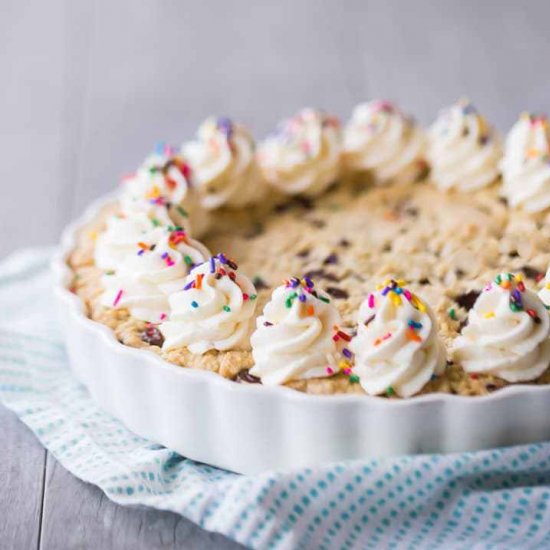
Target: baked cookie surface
<point x="446" y="245"/>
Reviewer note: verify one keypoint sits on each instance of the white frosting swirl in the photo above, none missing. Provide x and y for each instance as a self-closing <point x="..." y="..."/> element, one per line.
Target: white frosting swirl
<point x="121" y="234"/>
<point x="464" y="151"/>
<point x="379" y="138"/>
<point x="526" y="164"/>
<point x="507" y="333"/>
<point x="294" y="335"/>
<point x="303" y="155"/>
<point x="213" y="311"/>
<point x="397" y="348"/>
<point x="544" y="292"/>
<point x="223" y="164"/>
<point x="143" y="278"/>
<point x="161" y="189"/>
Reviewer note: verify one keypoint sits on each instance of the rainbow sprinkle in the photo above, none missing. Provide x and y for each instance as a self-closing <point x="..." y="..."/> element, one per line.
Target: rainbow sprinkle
<point x="117" y="298"/>
<point x="515" y="286"/>
<point x="301" y="289"/>
<point x="395" y="290"/>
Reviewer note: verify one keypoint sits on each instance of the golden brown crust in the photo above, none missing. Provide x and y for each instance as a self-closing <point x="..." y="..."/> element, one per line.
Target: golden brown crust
<point x="354" y="236"/>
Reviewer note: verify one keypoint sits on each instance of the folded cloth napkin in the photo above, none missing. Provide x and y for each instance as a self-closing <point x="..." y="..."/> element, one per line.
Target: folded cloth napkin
<point x="491" y="499"/>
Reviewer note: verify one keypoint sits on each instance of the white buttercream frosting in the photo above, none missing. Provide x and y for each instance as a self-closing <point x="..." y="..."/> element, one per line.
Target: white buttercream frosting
<point x="304" y="154"/>
<point x="380" y="139"/>
<point x="139" y="282"/>
<point x="295" y="336"/>
<point x="223" y="164"/>
<point x="526" y="164"/>
<point x="507" y="332"/>
<point x="213" y="310"/>
<point x="397" y="348"/>
<point x="464" y="151"/>
<point x="544" y="292"/>
<point x="120" y="236"/>
<point x="161" y="188"/>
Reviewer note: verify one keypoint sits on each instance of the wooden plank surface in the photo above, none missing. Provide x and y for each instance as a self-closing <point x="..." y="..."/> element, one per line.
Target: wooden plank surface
<point x="89" y="87"/>
<point x="22" y="475"/>
<point x="79" y="515"/>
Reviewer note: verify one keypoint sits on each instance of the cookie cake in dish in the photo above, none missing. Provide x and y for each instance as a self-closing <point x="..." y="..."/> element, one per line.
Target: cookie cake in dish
<point x="378" y="259"/>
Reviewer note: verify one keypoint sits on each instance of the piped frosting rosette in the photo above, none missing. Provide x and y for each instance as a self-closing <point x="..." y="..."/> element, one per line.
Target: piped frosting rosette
<point x="526" y="164"/>
<point x="223" y="164"/>
<point x="304" y="154"/>
<point x="382" y="140"/>
<point x="397" y="348"/>
<point x="121" y="234"/>
<point x="297" y="336"/>
<point x="140" y="280"/>
<point x="213" y="310"/>
<point x="161" y="188"/>
<point x="464" y="151"/>
<point x="507" y="332"/>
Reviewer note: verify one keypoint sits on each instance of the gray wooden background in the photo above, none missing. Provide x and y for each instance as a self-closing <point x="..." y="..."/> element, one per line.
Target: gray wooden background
<point x="87" y="87"/>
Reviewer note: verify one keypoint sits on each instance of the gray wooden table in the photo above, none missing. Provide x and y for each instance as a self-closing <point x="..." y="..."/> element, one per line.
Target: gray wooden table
<point x="88" y="87"/>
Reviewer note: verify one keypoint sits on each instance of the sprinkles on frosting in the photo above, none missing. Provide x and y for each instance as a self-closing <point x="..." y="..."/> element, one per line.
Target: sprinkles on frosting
<point x="513" y="283"/>
<point x="302" y="289"/>
<point x="220" y="266"/>
<point x="396" y="291"/>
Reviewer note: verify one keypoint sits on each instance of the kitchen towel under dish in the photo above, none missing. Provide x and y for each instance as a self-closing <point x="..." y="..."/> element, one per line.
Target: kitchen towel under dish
<point x="491" y="499"/>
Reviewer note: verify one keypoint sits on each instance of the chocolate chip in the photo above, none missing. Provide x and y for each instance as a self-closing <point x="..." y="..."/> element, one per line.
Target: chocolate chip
<point x="303" y="253"/>
<point x="259" y="283"/>
<point x="460" y="273"/>
<point x="152" y="336"/>
<point x="244" y="377"/>
<point x="294" y="202"/>
<point x="282" y="207"/>
<point x="424" y="281"/>
<point x="344" y="243"/>
<point x="319" y="224"/>
<point x="321" y="274"/>
<point x="386" y="247"/>
<point x="513" y="254"/>
<point x="255" y="231"/>
<point x="532" y="273"/>
<point x="304" y="202"/>
<point x="467" y="300"/>
<point x="411" y="211"/>
<point x="491" y="387"/>
<point x="337" y="293"/>
<point x="331" y="259"/>
<point x="503" y="200"/>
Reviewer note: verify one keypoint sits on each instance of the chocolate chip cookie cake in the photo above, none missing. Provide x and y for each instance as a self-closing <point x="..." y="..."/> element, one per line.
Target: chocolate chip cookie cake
<point x="377" y="258"/>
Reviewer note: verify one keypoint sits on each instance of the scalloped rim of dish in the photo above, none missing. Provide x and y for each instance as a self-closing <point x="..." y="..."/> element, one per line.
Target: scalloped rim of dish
<point x="62" y="275"/>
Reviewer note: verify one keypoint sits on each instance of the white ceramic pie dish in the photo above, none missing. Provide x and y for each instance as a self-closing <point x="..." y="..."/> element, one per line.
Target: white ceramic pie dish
<point x="253" y="428"/>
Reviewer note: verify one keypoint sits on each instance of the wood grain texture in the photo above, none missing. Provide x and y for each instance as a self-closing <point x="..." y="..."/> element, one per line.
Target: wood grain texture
<point x="22" y="471"/>
<point x="78" y="515"/>
<point x="89" y="87"/>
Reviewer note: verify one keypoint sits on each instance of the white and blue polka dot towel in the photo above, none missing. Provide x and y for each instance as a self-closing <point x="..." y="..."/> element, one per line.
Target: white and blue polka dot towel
<point x="493" y="499"/>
